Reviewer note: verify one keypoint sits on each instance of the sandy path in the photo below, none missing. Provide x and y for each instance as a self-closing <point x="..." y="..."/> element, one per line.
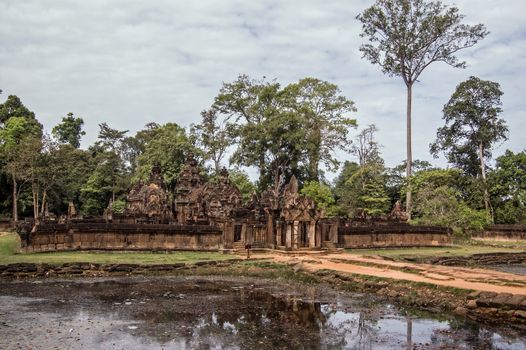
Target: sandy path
<point x="458" y="277"/>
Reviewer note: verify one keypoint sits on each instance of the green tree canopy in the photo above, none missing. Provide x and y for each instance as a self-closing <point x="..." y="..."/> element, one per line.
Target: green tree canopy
<point x="69" y="130"/>
<point x="285" y="131"/>
<point x="472" y="127"/>
<point x="507" y="183"/>
<point x="167" y="146"/>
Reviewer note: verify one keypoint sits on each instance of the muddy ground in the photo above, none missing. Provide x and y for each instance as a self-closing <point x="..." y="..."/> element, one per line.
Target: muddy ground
<point x="190" y="312"/>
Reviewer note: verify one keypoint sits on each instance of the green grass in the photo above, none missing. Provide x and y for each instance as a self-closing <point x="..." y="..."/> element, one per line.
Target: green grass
<point x="457" y="250"/>
<point x="499" y="243"/>
<point x="9" y="254"/>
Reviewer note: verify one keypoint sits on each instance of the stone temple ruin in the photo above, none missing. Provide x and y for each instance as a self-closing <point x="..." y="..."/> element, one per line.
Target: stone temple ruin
<point x="211" y="216"/>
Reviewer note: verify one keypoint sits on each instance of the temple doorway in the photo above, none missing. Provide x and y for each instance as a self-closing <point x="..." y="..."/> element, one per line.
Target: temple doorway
<point x="237" y="232"/>
<point x="303" y="234"/>
<point x="283" y="234"/>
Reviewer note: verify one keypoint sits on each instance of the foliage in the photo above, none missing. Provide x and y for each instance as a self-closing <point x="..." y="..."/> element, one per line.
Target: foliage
<point x="361" y="190"/>
<point x="213" y="135"/>
<point x="118" y="206"/>
<point x="13" y="107"/>
<point x="133" y="146"/>
<point x="166" y="146"/>
<point x="507" y="183"/>
<point x="323" y="112"/>
<point x="243" y="183"/>
<point x="472" y="128"/>
<point x="407" y="36"/>
<point x="105" y="181"/>
<point x="322" y="195"/>
<point x="110" y="139"/>
<point x="472" y="125"/>
<point x="441" y="206"/>
<point x="69" y="130"/>
<point x="438" y="201"/>
<point x="72" y="168"/>
<point x="284" y="131"/>
<point x="366" y="148"/>
<point x="396" y="179"/>
<point x="20" y="135"/>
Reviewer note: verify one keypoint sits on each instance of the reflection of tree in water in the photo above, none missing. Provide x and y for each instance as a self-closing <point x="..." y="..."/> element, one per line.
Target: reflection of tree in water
<point x="366" y="331"/>
<point x="248" y="319"/>
<point x="465" y="333"/>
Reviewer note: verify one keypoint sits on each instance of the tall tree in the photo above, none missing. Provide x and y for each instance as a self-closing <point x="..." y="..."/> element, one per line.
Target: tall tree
<point x="325" y="118"/>
<point x="213" y="136"/>
<point x="365" y="147"/>
<point x="20" y="134"/>
<point x="472" y="127"/>
<point x="110" y="148"/>
<point x="111" y="139"/>
<point x="266" y="136"/>
<point x="69" y="130"/>
<point x="406" y="36"/>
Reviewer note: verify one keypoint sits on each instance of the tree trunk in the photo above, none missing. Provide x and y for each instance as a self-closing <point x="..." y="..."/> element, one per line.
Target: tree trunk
<point x="35" y="201"/>
<point x="43" y="205"/>
<point x="314" y="157"/>
<point x="487" y="204"/>
<point x="409" y="165"/>
<point x="15" y="200"/>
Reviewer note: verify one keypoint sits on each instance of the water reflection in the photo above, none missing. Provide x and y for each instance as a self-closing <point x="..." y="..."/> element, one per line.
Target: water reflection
<point x="261" y="319"/>
<point x="216" y="314"/>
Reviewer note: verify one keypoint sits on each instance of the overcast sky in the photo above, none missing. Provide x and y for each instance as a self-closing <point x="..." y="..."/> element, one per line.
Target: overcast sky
<point x="131" y="62"/>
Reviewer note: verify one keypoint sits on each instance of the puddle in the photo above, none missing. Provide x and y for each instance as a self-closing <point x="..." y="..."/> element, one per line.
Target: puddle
<point x="221" y="313"/>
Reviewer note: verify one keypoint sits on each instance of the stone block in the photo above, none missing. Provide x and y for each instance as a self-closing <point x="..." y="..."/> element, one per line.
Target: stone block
<point x="515" y="301"/>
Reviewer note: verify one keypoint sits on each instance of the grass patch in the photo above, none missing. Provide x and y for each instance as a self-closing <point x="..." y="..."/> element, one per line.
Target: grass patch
<point x="456" y="250"/>
<point x="9" y="254"/>
<point x="499" y="243"/>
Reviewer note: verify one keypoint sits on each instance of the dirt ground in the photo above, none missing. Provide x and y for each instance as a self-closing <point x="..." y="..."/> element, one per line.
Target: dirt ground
<point x="478" y="279"/>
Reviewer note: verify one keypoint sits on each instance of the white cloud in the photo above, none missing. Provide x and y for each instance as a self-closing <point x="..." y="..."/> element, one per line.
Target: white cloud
<point x="131" y="62"/>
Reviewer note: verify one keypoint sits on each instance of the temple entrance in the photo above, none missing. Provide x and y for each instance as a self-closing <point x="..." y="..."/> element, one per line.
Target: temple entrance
<point x="283" y="234"/>
<point x="237" y="232"/>
<point x="303" y="235"/>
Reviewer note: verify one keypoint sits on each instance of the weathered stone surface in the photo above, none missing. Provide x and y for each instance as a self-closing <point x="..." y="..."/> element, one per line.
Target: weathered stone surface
<point x="514" y="302"/>
<point x="472" y="304"/>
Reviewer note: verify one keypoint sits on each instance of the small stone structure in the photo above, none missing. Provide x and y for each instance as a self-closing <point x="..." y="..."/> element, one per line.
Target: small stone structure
<point x="211" y="216"/>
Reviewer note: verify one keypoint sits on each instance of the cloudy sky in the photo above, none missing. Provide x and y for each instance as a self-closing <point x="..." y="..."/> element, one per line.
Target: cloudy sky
<point x="132" y="62"/>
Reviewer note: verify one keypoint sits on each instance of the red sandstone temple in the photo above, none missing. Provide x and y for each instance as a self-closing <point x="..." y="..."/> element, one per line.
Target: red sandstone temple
<point x="211" y="216"/>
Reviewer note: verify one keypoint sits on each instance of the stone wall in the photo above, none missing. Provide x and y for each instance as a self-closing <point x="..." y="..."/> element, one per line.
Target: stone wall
<point x="393" y="236"/>
<point x="110" y="236"/>
<point x="5" y="225"/>
<point x="504" y="232"/>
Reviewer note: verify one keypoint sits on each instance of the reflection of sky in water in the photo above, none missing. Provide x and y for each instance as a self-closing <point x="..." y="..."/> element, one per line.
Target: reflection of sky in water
<point x="255" y="318"/>
<point x="362" y="330"/>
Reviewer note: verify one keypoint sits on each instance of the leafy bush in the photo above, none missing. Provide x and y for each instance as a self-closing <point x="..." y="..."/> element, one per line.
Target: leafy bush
<point x="118" y="206"/>
<point x="441" y="206"/>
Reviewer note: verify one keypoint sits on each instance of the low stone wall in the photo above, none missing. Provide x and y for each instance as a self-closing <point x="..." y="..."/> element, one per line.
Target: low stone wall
<point x="393" y="236"/>
<point x="31" y="270"/>
<point x="503" y="232"/>
<point x="111" y="236"/>
<point x="5" y="225"/>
